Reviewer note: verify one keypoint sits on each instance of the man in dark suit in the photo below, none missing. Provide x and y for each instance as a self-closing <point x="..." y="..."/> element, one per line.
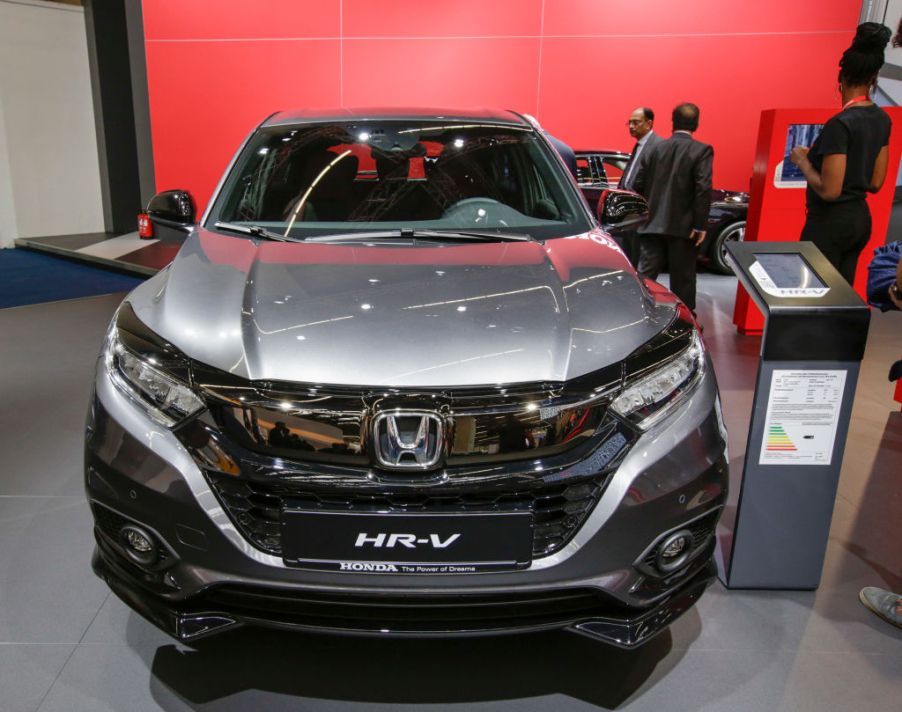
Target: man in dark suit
<point x="641" y="127"/>
<point x="675" y="177"/>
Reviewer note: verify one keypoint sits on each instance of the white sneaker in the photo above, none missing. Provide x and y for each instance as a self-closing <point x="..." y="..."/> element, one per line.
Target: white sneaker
<point x="885" y="604"/>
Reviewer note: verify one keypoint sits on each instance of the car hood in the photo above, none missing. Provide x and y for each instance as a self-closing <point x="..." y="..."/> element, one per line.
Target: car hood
<point x="401" y="314"/>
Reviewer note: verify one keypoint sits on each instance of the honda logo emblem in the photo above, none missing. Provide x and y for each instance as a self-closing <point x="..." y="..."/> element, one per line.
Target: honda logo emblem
<point x="408" y="440"/>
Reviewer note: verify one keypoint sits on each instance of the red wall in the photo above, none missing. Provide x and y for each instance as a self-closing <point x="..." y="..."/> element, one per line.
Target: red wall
<point x="216" y="68"/>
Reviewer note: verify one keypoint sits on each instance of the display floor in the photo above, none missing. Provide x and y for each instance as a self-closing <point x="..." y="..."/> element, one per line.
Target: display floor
<point x="67" y="644"/>
<point x="124" y="252"/>
<point x="29" y="277"/>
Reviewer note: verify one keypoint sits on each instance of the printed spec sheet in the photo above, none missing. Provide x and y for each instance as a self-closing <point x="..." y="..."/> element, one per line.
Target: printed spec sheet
<point x="802" y="415"/>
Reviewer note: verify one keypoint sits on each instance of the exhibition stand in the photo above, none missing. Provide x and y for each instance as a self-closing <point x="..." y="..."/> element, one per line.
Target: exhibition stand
<point x="777" y="202"/>
<point x="815" y="330"/>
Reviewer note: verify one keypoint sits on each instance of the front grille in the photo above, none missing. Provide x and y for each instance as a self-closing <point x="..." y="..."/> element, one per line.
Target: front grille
<point x="559" y="509"/>
<point x="412" y="614"/>
<point x="337" y="424"/>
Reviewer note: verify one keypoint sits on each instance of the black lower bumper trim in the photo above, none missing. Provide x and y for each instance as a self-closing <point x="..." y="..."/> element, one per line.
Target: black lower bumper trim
<point x="582" y="610"/>
<point x="635" y="632"/>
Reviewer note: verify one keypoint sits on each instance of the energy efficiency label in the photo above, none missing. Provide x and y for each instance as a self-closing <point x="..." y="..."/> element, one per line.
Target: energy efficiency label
<point x="802" y="416"/>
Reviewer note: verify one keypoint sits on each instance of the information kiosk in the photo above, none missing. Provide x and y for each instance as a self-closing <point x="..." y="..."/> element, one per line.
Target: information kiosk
<point x="814" y="337"/>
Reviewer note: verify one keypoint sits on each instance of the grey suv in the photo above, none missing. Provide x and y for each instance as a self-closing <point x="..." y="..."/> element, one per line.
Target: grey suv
<point x="399" y="381"/>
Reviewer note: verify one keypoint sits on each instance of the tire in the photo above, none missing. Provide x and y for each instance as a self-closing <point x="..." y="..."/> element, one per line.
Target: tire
<point x="717" y="260"/>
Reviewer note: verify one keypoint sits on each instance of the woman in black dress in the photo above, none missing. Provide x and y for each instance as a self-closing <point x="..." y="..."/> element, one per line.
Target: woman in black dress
<point x="848" y="160"/>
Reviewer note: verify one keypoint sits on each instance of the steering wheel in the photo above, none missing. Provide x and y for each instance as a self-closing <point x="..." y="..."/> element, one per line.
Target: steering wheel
<point x="477" y="213"/>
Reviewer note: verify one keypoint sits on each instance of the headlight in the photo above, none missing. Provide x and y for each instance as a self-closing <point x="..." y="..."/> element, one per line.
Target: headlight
<point x="650" y="398"/>
<point x="165" y="398"/>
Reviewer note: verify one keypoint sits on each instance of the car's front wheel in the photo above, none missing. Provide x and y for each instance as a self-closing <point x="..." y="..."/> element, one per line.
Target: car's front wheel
<point x="734" y="232"/>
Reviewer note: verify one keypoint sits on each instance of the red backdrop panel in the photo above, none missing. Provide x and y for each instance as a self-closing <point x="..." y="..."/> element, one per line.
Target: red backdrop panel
<point x="205" y="97"/>
<point x="729" y="87"/>
<point x="728" y="19"/>
<point x="232" y="19"/>
<point x="442" y="18"/>
<point x="218" y="67"/>
<point x="444" y="72"/>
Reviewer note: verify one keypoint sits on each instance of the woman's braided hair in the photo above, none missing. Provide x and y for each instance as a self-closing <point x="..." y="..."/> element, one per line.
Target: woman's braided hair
<point x="862" y="61"/>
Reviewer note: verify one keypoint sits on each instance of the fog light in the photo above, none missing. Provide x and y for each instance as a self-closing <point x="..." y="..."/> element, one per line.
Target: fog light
<point x="139" y="545"/>
<point x="673" y="551"/>
<point x="675" y="548"/>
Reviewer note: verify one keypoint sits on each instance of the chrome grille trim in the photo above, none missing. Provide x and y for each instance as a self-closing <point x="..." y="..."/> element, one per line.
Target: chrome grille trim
<point x="334" y="425"/>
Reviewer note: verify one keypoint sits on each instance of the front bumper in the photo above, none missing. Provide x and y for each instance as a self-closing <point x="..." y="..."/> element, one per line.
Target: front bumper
<point x="229" y="606"/>
<point x="211" y="579"/>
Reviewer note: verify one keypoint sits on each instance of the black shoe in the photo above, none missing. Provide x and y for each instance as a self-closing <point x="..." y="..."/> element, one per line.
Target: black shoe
<point x="895" y="371"/>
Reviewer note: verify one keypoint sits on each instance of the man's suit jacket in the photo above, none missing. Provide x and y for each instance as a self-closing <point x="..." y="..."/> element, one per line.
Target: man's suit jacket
<point x="628" y="181"/>
<point x="675" y="178"/>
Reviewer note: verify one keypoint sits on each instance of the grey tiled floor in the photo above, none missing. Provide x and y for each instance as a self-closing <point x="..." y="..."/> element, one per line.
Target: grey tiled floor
<point x="68" y="645"/>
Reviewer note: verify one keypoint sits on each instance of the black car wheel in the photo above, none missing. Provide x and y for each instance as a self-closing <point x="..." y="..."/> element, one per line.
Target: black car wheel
<point x="734" y="232"/>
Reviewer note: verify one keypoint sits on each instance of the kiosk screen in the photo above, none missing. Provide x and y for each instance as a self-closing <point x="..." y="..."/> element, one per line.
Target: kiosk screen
<point x="789" y="271"/>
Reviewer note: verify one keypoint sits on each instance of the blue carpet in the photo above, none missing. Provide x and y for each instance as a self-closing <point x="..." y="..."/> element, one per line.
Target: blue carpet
<point x="28" y="277"/>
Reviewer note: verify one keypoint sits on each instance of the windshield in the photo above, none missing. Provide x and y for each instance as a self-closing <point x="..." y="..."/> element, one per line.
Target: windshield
<point x="326" y="179"/>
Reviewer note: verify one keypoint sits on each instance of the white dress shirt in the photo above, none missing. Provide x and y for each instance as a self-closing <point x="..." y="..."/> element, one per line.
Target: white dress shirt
<point x="640" y="144"/>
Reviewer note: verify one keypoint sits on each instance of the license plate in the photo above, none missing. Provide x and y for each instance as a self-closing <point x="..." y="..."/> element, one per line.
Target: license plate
<point x="407" y="543"/>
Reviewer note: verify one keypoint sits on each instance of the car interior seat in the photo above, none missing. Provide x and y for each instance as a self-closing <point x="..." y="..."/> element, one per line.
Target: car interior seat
<point x="397" y="196"/>
<point x="331" y="197"/>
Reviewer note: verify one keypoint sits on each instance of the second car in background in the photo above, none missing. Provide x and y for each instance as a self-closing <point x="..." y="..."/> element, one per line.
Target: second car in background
<point x="599" y="170"/>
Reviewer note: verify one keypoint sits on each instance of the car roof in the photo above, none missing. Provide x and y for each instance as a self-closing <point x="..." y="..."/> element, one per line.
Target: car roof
<point x="606" y="151"/>
<point x="303" y="116"/>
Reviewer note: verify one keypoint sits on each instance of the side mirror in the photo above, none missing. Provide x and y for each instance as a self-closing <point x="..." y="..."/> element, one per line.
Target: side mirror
<point x="620" y="210"/>
<point x="172" y="208"/>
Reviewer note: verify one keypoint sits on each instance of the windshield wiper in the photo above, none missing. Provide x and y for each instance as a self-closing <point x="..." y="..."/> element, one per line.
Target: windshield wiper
<point x="477" y="235"/>
<point x="253" y="230"/>
<point x="414" y="233"/>
<point x="352" y="236"/>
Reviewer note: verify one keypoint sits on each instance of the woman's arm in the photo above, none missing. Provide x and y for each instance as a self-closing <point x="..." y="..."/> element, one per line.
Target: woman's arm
<point x="828" y="183"/>
<point x="879" y="174"/>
